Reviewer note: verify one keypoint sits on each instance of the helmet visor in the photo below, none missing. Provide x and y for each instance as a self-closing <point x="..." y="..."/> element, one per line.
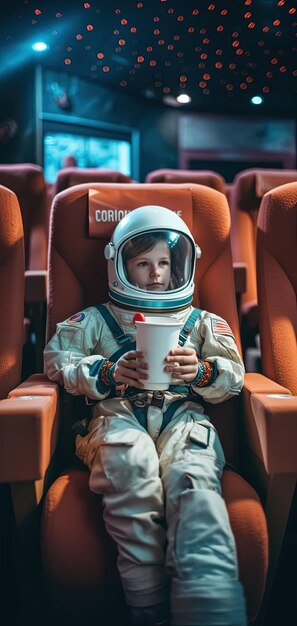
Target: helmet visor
<point x="156" y="261"/>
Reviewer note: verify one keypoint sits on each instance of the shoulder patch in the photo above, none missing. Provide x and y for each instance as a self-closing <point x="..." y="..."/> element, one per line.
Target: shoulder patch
<point x="76" y="319"/>
<point x="220" y="327"/>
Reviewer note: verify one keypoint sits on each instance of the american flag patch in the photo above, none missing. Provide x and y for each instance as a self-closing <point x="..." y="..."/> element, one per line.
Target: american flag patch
<point x="220" y="327"/>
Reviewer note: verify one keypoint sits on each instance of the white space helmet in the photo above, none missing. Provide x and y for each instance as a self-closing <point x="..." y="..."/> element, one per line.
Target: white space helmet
<point x="151" y="261"/>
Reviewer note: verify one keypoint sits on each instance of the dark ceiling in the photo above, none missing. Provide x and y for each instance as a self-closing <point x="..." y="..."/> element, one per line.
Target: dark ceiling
<point x="220" y="53"/>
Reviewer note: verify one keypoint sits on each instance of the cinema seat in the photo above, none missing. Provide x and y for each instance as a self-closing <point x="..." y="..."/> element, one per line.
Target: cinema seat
<point x="272" y="417"/>
<point x="27" y="182"/>
<point x="78" y="558"/>
<point x="201" y="177"/>
<point x="249" y="187"/>
<point x="69" y="176"/>
<point x="12" y="281"/>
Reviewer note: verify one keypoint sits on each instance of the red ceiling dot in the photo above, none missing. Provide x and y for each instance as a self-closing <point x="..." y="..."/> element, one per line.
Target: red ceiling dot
<point x="140" y="59"/>
<point x="149" y="49"/>
<point x="78" y="36"/>
<point x="224" y="12"/>
<point x="276" y="23"/>
<point x="153" y="63"/>
<point x="122" y="42"/>
<point x="37" y="12"/>
<point x="266" y="89"/>
<point x="183" y="79"/>
<point x="247" y="15"/>
<point x="90" y="27"/>
<point x="229" y="87"/>
<point x="180" y="18"/>
<point x="166" y="90"/>
<point x="86" y="5"/>
<point x="67" y="61"/>
<point x="243" y="86"/>
<point x="133" y="29"/>
<point x="195" y="12"/>
<point x="283" y="69"/>
<point x="274" y="61"/>
<point x="161" y="42"/>
<point x="218" y="65"/>
<point x="124" y="22"/>
<point x="239" y="51"/>
<point x="220" y="28"/>
<point x="156" y="31"/>
<point x="105" y="68"/>
<point x="100" y="55"/>
<point x="202" y="84"/>
<point x="251" y="25"/>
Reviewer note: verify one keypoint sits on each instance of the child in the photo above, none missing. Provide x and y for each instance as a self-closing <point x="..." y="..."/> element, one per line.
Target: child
<point x="154" y="456"/>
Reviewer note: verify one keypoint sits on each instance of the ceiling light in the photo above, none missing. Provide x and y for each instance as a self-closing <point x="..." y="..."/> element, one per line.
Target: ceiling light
<point x="39" y="46"/>
<point x="183" y="98"/>
<point x="256" y="100"/>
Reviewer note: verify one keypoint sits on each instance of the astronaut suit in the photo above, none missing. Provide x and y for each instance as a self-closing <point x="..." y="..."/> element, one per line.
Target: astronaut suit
<point x="155" y="457"/>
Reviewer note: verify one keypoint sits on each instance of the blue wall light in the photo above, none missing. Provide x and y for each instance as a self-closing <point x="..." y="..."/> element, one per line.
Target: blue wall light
<point x="39" y="46"/>
<point x="256" y="100"/>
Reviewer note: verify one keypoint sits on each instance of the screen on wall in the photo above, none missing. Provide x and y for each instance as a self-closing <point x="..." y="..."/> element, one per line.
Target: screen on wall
<point x="109" y="153"/>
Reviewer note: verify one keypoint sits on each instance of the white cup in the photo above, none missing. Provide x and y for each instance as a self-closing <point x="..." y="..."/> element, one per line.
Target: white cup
<point x="156" y="336"/>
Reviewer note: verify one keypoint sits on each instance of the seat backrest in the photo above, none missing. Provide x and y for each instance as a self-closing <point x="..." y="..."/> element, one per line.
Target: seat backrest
<point x="249" y="187"/>
<point x="277" y="284"/>
<point x="12" y="268"/>
<point x="200" y="177"/>
<point x="28" y="183"/>
<point x="77" y="260"/>
<point x="69" y="176"/>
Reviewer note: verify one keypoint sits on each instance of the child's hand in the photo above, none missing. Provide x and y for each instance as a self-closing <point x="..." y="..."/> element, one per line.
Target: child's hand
<point x="130" y="369"/>
<point x="182" y="363"/>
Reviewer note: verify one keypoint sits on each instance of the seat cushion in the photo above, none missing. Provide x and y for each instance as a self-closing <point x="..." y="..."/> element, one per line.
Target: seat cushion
<point x="79" y="558"/>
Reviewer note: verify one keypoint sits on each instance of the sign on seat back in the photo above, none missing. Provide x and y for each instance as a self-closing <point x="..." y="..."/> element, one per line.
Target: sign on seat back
<point x="104" y="215"/>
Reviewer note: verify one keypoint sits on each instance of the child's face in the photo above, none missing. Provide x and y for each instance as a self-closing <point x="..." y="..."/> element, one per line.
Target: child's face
<point x="151" y="270"/>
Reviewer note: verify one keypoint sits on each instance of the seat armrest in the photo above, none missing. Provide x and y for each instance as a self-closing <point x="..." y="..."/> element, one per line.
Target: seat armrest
<point x="269" y="423"/>
<point x="36" y="285"/>
<point x="275" y="421"/>
<point x="28" y="430"/>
